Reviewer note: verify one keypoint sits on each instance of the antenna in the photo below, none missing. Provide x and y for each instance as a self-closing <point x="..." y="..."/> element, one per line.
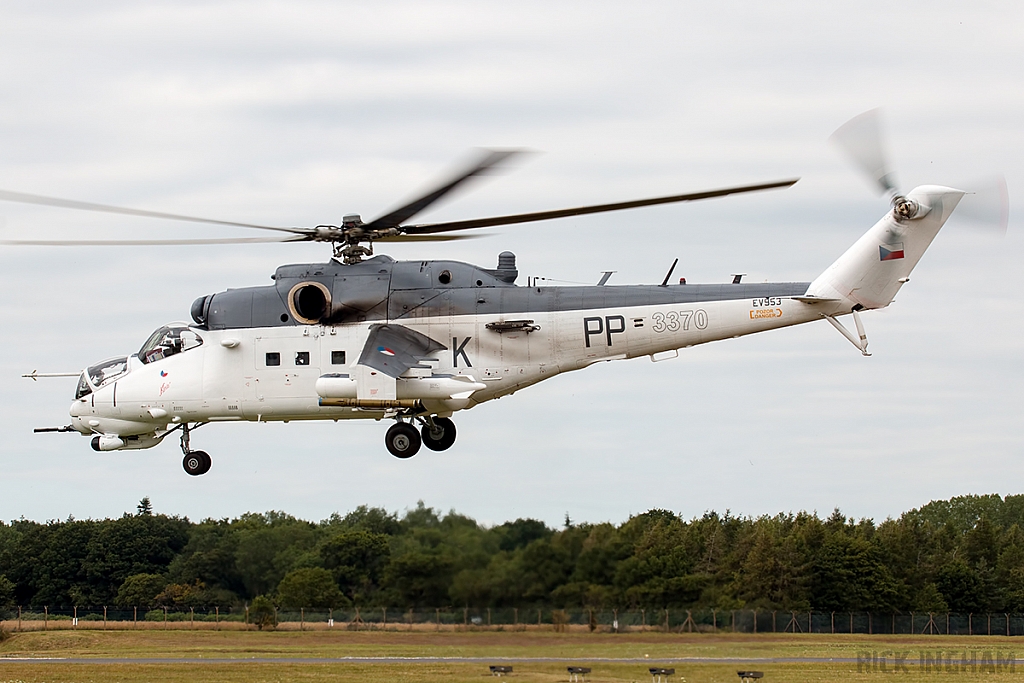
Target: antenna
<point x="664" y="283"/>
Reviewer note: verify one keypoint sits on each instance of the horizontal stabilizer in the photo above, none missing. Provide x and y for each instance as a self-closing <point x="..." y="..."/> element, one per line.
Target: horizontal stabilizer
<point x="813" y="299"/>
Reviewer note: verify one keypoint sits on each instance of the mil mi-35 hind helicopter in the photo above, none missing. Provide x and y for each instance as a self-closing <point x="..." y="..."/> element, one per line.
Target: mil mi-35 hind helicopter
<point x="364" y="336"/>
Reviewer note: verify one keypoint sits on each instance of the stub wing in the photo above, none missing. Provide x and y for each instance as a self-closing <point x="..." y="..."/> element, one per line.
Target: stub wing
<point x="393" y="349"/>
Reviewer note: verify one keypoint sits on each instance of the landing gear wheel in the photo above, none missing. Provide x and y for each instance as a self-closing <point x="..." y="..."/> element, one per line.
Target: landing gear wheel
<point x="402" y="440"/>
<point x="441" y="438"/>
<point x="197" y="462"/>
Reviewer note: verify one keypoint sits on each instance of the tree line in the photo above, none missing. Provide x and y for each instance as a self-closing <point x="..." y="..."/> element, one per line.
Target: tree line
<point x="965" y="554"/>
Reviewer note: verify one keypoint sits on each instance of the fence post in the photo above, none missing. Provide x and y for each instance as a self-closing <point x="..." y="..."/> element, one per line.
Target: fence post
<point x="191" y="618"/>
<point x="990" y="624"/>
<point x="810" y="622"/>
<point x="538" y="616"/>
<point x="385" y="622"/>
<point x="1005" y="615"/>
<point x="894" y="623"/>
<point x="666" y="620"/>
<point x="773" y="621"/>
<point x="869" y="624"/>
<point x="734" y="621"/>
<point x="465" y="616"/>
<point x="165" y="617"/>
<point x="515" y="616"/>
<point x="135" y="618"/>
<point x="247" y="617"/>
<point x="302" y="618"/>
<point x="19" y="622"/>
<point x="437" y="619"/>
<point x="74" y="623"/>
<point x="217" y="616"/>
<point x="970" y="623"/>
<point x="46" y="617"/>
<point x="643" y="619"/>
<point x="755" y="621"/>
<point x="104" y="617"/>
<point x="714" y="621"/>
<point x="851" y="622"/>
<point x="488" y="616"/>
<point x="833" y="623"/>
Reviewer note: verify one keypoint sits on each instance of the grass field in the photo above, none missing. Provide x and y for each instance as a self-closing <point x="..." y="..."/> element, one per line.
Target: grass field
<point x="271" y="651"/>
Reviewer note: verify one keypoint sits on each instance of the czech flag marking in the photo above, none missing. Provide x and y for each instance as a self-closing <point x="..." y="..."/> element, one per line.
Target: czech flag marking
<point x="890" y="252"/>
<point x="163" y="373"/>
<point x="385" y="350"/>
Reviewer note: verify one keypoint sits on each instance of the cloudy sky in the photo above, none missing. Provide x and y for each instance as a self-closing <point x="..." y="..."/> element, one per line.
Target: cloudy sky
<point x="297" y="113"/>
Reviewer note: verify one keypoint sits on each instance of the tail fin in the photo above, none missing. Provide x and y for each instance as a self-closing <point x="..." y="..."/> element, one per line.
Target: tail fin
<point x="870" y="273"/>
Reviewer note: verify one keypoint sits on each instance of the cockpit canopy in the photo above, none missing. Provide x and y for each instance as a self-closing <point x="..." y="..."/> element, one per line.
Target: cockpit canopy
<point x="168" y="341"/>
<point x="97" y="375"/>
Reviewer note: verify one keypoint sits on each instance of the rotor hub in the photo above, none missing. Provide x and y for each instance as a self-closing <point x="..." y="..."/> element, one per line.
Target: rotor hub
<point x="904" y="209"/>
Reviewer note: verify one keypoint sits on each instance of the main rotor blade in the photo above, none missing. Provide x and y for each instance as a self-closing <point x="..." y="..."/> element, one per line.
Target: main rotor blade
<point x="427" y="228"/>
<point x="25" y="198"/>
<point x="148" y="243"/>
<point x="491" y="159"/>
<point x="427" y="238"/>
<point x="861" y="139"/>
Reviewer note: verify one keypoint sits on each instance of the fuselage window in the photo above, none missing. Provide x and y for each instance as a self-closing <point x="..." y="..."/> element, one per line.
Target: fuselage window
<point x="273" y="358"/>
<point x="337" y="357"/>
<point x="168" y="341"/>
<point x="302" y="357"/>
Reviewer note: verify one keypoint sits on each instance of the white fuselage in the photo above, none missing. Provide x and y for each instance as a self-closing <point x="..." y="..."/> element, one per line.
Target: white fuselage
<point x="228" y="378"/>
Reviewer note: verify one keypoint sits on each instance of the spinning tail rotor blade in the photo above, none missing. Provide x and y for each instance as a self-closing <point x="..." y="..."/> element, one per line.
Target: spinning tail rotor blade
<point x="428" y="228"/>
<point x="986" y="208"/>
<point x="861" y="138"/>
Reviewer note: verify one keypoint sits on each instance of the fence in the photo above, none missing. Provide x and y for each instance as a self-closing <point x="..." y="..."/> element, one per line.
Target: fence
<point x="533" y="618"/>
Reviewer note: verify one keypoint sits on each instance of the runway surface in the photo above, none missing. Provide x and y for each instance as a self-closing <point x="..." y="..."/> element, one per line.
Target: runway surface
<point x="910" y="657"/>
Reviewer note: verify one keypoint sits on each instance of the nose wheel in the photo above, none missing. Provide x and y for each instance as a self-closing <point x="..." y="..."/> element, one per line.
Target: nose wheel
<point x="194" y="462"/>
<point x="197" y="462"/>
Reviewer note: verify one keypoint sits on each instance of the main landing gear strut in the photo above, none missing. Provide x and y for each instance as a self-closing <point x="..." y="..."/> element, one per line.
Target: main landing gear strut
<point x="195" y="462"/>
<point x="403" y="440"/>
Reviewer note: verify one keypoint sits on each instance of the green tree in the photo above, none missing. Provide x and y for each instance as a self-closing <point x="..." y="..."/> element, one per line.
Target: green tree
<point x="182" y="595"/>
<point x="418" y="579"/>
<point x="6" y="593"/>
<point x="930" y="600"/>
<point x="140" y="590"/>
<point x="960" y="587"/>
<point x="262" y="613"/>
<point x="849" y="575"/>
<point x="310" y="587"/>
<point x="357" y="559"/>
<point x="521" y="533"/>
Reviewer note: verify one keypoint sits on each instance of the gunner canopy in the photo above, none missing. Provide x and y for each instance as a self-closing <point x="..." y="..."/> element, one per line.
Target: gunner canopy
<point x="167" y="341"/>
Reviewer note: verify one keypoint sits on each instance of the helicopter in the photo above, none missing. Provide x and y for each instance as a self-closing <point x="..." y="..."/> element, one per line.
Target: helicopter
<point x="364" y="336"/>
